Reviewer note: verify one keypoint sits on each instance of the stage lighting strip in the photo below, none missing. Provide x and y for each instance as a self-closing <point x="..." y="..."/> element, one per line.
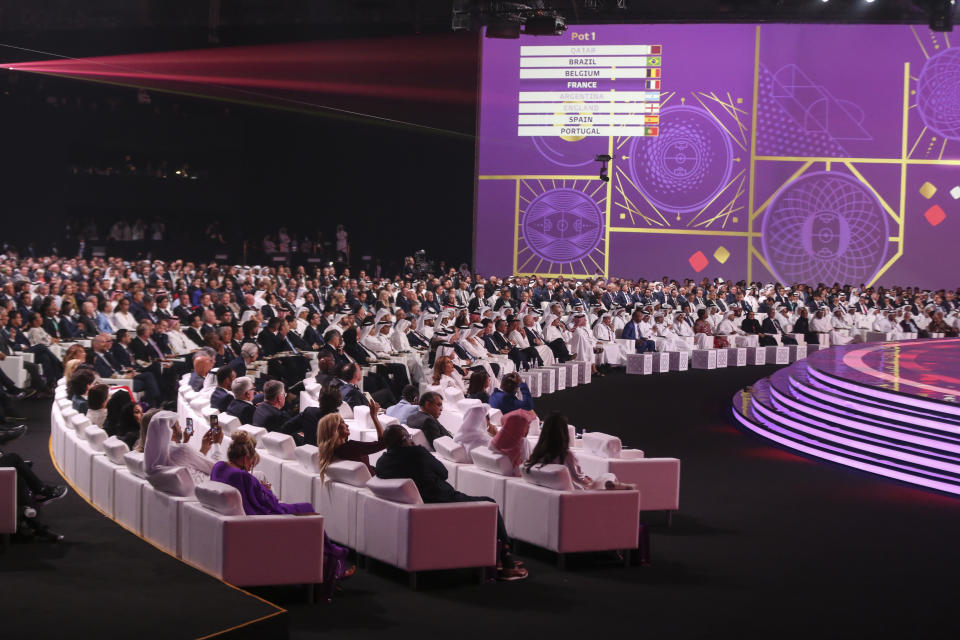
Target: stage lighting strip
<point x="891" y="420"/>
<point x="842" y="459"/>
<point x="825" y="426"/>
<point x="896" y="398"/>
<point x="788" y="426"/>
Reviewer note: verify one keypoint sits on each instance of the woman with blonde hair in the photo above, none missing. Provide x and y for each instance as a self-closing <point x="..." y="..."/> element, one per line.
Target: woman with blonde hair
<point x="446" y="375"/>
<point x="333" y="441"/>
<point x="259" y="500"/>
<point x="75" y="356"/>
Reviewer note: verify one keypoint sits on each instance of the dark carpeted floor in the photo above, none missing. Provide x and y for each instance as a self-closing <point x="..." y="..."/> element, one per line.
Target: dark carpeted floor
<point x="765" y="545"/>
<point x="103" y="581"/>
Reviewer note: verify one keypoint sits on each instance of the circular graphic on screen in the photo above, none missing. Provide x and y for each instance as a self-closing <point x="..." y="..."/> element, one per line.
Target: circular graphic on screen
<point x="573" y="152"/>
<point x="825" y="227"/>
<point x="938" y="94"/>
<point x="562" y="225"/>
<point x="687" y="165"/>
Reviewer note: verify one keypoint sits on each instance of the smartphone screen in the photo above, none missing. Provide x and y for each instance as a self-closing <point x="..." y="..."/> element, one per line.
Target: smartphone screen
<point x="189" y="429"/>
<point x="214" y="421"/>
<point x="368" y="396"/>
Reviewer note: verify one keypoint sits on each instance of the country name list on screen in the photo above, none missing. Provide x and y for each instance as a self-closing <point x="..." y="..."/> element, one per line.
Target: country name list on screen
<point x="589" y="89"/>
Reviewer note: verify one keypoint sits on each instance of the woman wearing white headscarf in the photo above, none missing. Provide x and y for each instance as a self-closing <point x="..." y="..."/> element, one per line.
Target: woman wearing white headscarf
<point x="163" y="448"/>
<point x="476" y="430"/>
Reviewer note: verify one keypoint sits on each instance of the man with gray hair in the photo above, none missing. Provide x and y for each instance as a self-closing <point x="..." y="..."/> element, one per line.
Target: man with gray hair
<point x="242" y="404"/>
<point x="269" y="414"/>
<point x="249" y="353"/>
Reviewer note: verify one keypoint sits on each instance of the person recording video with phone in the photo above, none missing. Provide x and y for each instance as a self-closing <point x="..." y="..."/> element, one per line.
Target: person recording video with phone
<point x="164" y="444"/>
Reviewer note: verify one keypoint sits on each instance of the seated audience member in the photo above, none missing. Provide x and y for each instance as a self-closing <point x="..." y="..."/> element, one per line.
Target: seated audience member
<point x="326" y="368"/>
<point x="751" y="326"/>
<point x="242" y="404"/>
<point x="407" y="406"/>
<point x="403" y="459"/>
<point x="771" y="325"/>
<point x="351" y="375"/>
<point x="74" y="357"/>
<point x="203" y="361"/>
<point x="476" y="430"/>
<point x="78" y="386"/>
<point x="303" y="426"/>
<point x="505" y="398"/>
<point x="477" y="386"/>
<point x="97" y="404"/>
<point x="259" y="500"/>
<point x="511" y="439"/>
<point x="269" y="414"/>
<point x="221" y="396"/>
<point x="165" y="446"/>
<point x="553" y="447"/>
<point x="124" y="417"/>
<point x="426" y="419"/>
<point x="334" y="444"/>
<point x="32" y="492"/>
<point x="445" y="375"/>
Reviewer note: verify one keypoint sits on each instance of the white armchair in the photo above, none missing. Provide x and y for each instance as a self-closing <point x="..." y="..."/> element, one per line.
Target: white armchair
<point x="216" y="537"/>
<point x="543" y="509"/>
<point x="396" y="527"/>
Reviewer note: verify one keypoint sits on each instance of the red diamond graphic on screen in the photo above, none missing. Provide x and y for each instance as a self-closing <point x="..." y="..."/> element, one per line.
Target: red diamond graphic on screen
<point x="935" y="215"/>
<point x="698" y="261"/>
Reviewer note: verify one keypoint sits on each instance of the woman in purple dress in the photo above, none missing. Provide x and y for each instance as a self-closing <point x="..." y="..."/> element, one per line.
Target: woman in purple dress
<point x="258" y="500"/>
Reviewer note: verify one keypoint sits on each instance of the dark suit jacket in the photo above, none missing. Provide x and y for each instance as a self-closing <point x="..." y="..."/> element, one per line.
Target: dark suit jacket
<point x="270" y="343"/>
<point x="338" y="360"/>
<point x="269" y="417"/>
<point x="220" y="399"/>
<point x="50" y="328"/>
<point x="120" y="355"/>
<point x="142" y="350"/>
<point x="243" y="410"/>
<point x="194" y="336"/>
<point x="312" y="337"/>
<point x="423" y="468"/>
<point x="750" y="326"/>
<point x="352" y="395"/>
<point x="109" y="369"/>
<point x="429" y="425"/>
<point x="769" y="327"/>
<point x="88" y="326"/>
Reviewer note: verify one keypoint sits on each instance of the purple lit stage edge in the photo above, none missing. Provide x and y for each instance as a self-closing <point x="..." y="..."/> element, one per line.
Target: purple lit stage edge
<point x="891" y="408"/>
<point x="783" y="152"/>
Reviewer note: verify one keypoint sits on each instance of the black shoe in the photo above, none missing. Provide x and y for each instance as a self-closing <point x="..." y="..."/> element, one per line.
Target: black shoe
<point x="46" y="535"/>
<point x="16" y="419"/>
<point x="12" y="433"/>
<point x="50" y="493"/>
<point x="25" y="393"/>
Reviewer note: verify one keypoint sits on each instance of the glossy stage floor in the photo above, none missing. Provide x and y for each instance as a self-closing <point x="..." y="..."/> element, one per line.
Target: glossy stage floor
<point x="886" y="408"/>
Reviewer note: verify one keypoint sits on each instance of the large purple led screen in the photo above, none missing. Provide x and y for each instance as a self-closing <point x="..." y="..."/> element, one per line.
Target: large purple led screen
<point x="795" y="153"/>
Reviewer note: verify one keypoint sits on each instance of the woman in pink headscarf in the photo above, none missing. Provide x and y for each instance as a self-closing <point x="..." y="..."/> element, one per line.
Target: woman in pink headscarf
<point x="511" y="440"/>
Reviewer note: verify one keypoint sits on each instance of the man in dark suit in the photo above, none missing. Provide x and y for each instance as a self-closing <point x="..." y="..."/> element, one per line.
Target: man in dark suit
<point x="242" y="404"/>
<point x="107" y="366"/>
<point x="752" y="326"/>
<point x="351" y="375"/>
<point x="311" y="335"/>
<point x="270" y="340"/>
<point x="269" y="414"/>
<point x="221" y="397"/>
<point x="403" y="459"/>
<point x="334" y="348"/>
<point x="772" y="326"/>
<point x="632" y="331"/>
<point x="193" y="331"/>
<point x="426" y="419"/>
<point x="88" y="319"/>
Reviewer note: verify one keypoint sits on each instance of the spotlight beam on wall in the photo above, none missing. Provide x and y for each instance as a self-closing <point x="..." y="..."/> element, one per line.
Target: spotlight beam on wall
<point x="421" y="81"/>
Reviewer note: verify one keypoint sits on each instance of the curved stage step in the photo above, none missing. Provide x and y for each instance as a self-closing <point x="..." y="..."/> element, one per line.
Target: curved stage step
<point x="888" y="408"/>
